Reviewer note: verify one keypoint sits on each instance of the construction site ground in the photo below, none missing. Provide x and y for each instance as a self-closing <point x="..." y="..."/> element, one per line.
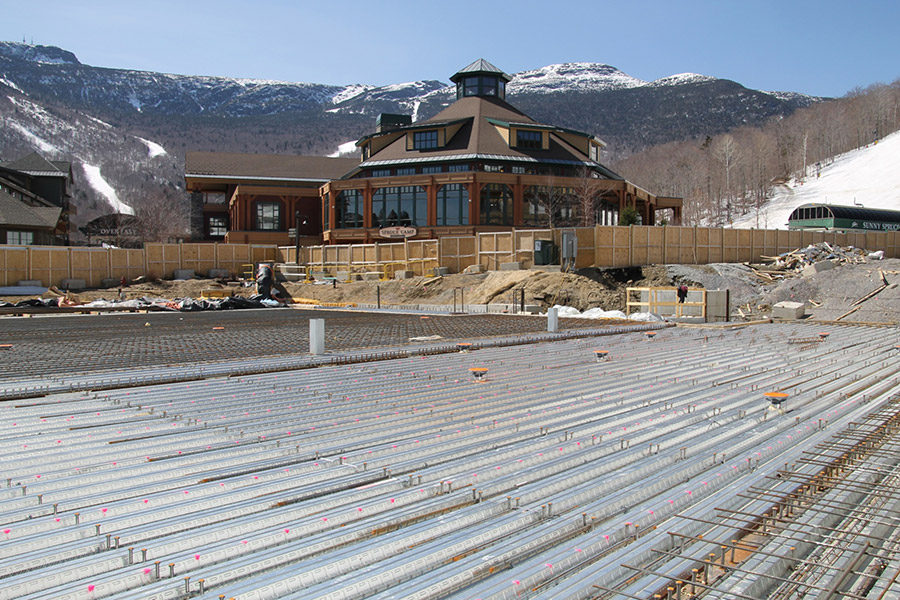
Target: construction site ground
<point x="827" y="295"/>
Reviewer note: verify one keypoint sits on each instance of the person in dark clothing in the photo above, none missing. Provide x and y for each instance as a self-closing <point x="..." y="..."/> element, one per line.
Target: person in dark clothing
<point x="682" y="293"/>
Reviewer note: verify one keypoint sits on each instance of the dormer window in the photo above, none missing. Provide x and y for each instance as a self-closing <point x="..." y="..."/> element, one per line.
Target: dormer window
<point x="425" y="140"/>
<point x="529" y="139"/>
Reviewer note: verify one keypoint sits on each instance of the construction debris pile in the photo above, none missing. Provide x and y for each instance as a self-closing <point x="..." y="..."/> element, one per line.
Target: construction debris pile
<point x="791" y="264"/>
<point x="178" y="304"/>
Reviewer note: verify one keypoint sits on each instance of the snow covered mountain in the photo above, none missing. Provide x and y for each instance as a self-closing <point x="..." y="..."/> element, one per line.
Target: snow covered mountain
<point x="116" y="120"/>
<point x="867" y="177"/>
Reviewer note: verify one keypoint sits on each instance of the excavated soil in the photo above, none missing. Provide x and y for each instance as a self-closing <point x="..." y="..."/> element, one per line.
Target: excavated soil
<point x="827" y="295"/>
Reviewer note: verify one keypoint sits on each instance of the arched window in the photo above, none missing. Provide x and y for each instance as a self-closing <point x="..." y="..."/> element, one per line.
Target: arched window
<point x="268" y="215"/>
<point x="453" y="204"/>
<point x="404" y="205"/>
<point x="496" y="204"/>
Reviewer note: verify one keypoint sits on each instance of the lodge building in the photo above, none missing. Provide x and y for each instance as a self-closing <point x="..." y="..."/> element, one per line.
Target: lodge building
<point x="478" y="165"/>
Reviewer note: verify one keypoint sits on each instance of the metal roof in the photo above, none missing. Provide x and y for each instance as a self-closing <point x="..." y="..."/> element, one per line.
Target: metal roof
<point x="859" y="213"/>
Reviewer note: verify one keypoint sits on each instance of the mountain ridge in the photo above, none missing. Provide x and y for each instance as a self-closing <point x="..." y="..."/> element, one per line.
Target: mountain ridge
<point x="181" y="112"/>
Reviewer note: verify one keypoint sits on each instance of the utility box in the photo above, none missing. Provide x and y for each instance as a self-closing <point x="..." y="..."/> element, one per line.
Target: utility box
<point x="545" y="252"/>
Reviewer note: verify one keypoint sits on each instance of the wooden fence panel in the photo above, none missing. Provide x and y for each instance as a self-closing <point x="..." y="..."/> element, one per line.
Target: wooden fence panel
<point x="198" y="257"/>
<point x="90" y="264"/>
<point x="48" y="264"/>
<point x="14" y="265"/>
<point x="584" y="255"/>
<point x="457" y="253"/>
<point x="126" y="262"/>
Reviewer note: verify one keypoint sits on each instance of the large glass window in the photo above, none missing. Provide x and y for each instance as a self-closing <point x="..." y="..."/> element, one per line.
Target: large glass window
<point x="457" y="168"/>
<point x="528" y="139"/>
<point x="470" y="86"/>
<point x="453" y="204"/>
<point x="268" y="216"/>
<point x="430" y="170"/>
<point x="349" y="209"/>
<point x="217" y="225"/>
<point x="496" y="204"/>
<point x="406" y="171"/>
<point x="485" y="85"/>
<point x="381" y="172"/>
<point x="20" y="238"/>
<point x="425" y="140"/>
<point x="404" y="205"/>
<point x="550" y="206"/>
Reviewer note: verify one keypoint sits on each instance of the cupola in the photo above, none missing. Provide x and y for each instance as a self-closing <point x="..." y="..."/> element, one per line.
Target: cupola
<point x="480" y="78"/>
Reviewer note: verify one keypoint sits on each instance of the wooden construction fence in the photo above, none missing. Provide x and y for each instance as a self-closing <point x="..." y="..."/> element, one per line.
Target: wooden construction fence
<point x="52" y="264"/>
<point x="600" y="246"/>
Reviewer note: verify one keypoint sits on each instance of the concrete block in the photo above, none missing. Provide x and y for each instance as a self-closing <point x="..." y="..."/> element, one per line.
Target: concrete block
<point x="473" y="269"/>
<point x="72" y="284"/>
<point x="30" y="283"/>
<point x="110" y="282"/>
<point x="183" y="274"/>
<point x="218" y="274"/>
<point x="438" y="271"/>
<point x="789" y="310"/>
<point x="717" y="305"/>
<point x="371" y="276"/>
<point x="404" y="274"/>
<point x="810" y="270"/>
<point x="347" y="276"/>
<point x="510" y="266"/>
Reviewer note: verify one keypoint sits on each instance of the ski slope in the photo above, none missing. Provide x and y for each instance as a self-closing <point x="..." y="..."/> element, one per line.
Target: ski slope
<point x="869" y="177"/>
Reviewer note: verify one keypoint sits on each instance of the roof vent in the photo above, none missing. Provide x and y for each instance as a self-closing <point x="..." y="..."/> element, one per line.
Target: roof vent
<point x="388" y="121"/>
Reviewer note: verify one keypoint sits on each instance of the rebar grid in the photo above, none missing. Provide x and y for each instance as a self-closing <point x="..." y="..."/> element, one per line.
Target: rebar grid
<point x="837" y="461"/>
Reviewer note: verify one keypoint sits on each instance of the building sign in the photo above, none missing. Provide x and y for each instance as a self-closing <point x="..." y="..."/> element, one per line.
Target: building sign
<point x="397" y="232"/>
<point x="866" y="225"/>
<point x="113" y="227"/>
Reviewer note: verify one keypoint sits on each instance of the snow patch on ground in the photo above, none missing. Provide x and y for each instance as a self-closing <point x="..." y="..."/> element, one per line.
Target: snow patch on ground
<point x="351" y="91"/>
<point x="599" y="313"/>
<point x="40" y="143"/>
<point x="681" y="79"/>
<point x="568" y="76"/>
<point x="154" y="148"/>
<point x="101" y="186"/>
<point x="869" y="177"/>
<point x="344" y="149"/>
<point x="9" y="83"/>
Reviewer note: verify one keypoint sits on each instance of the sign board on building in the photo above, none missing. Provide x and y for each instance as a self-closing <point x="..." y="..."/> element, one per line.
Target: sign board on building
<point x="397" y="232"/>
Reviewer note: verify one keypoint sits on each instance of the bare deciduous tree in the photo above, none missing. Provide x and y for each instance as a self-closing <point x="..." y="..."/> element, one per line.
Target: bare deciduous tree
<point x="163" y="218"/>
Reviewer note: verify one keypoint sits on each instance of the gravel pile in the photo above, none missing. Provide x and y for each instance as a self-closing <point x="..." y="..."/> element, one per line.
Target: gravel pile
<point x="737" y="278"/>
<point x="827" y="295"/>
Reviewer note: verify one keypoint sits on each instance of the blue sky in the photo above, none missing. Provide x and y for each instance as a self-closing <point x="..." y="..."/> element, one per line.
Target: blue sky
<point x="824" y="48"/>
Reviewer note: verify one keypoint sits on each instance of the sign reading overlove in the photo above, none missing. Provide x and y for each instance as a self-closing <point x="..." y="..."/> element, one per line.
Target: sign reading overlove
<point x="397" y="232"/>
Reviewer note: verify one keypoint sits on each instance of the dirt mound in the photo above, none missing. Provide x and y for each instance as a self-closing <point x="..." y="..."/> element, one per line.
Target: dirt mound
<point x="587" y="288"/>
<point x="827" y="295"/>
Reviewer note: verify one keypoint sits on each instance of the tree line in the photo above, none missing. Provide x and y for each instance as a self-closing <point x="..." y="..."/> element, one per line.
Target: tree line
<point x="728" y="175"/>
